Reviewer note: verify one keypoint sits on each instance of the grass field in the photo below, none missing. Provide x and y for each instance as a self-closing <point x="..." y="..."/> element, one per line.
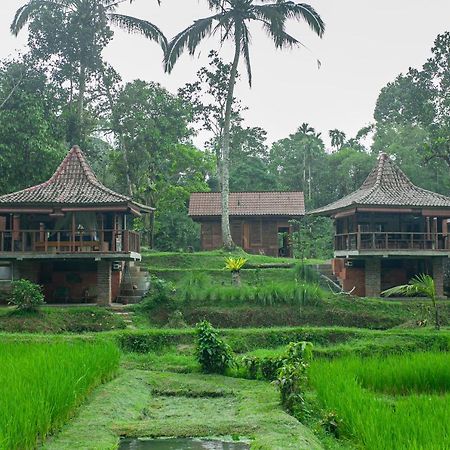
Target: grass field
<point x="395" y="402"/>
<point x="59" y="320"/>
<point x="42" y="383"/>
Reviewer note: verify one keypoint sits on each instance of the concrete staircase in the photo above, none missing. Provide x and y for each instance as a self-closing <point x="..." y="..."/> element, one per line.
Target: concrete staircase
<point x="135" y="284"/>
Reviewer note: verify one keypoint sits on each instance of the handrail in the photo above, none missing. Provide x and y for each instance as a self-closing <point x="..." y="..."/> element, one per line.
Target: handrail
<point x="69" y="241"/>
<point x="391" y="240"/>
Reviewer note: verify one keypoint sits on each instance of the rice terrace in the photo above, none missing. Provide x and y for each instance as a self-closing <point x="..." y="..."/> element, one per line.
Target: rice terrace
<point x="187" y="263"/>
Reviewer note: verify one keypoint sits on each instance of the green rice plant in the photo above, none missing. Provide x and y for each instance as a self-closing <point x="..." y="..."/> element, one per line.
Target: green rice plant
<point x="268" y="294"/>
<point x="42" y="383"/>
<point x="305" y="273"/>
<point x="364" y="394"/>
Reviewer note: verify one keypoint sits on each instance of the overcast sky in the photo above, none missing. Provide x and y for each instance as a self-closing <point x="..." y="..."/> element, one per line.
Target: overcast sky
<point x="367" y="43"/>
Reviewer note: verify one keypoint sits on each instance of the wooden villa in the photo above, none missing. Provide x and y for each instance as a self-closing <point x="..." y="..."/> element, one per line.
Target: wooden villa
<point x="388" y="231"/>
<point x="259" y="221"/>
<point x="70" y="234"/>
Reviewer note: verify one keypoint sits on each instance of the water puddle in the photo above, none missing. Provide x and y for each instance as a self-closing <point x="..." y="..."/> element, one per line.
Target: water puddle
<point x="180" y="444"/>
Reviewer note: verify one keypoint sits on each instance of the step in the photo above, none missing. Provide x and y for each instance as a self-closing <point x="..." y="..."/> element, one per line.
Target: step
<point x="133" y="292"/>
<point x="129" y="299"/>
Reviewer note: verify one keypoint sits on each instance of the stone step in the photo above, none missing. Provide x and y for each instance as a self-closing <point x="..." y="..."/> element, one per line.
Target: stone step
<point x="133" y="292"/>
<point x="129" y="299"/>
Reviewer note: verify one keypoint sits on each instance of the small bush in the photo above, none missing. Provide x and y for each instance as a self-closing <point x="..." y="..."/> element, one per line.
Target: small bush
<point x="213" y="354"/>
<point x="291" y="379"/>
<point x="26" y="295"/>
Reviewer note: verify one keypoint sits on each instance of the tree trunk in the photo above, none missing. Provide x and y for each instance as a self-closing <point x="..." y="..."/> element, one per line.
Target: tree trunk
<point x="236" y="278"/>
<point x="80" y="107"/>
<point x="225" y="166"/>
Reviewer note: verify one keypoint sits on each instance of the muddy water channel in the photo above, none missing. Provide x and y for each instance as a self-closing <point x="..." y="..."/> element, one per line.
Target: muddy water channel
<point x="180" y="444"/>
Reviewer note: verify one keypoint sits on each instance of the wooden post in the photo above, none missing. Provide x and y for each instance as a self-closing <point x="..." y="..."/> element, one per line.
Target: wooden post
<point x="73" y="244"/>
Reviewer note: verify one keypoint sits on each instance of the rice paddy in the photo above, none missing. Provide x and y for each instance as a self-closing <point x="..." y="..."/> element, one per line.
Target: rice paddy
<point x="41" y="384"/>
<point x="395" y="402"/>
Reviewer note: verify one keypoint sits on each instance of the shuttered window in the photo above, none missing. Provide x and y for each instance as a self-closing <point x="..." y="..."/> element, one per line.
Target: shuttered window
<point x="255" y="233"/>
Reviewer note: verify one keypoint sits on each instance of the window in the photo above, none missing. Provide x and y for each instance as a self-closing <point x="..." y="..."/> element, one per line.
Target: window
<point x="5" y="272"/>
<point x="255" y="233"/>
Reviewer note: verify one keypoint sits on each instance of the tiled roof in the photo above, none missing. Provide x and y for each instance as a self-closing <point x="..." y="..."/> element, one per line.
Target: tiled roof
<point x="73" y="183"/>
<point x="286" y="204"/>
<point x="388" y="186"/>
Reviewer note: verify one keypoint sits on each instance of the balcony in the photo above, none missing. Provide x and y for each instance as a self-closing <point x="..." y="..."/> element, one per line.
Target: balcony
<point x="391" y="243"/>
<point x="64" y="243"/>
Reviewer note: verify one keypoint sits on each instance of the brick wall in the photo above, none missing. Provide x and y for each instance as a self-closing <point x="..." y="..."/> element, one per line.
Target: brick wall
<point x="104" y="277"/>
<point x="373" y="277"/>
<point x="438" y="276"/>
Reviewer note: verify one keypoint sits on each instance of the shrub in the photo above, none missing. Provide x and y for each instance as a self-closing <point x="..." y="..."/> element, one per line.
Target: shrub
<point x="213" y="354"/>
<point x="26" y="295"/>
<point x="292" y="378"/>
<point x="161" y="292"/>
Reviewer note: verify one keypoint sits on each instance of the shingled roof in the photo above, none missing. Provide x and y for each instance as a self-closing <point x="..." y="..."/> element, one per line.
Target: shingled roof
<point x="286" y="204"/>
<point x="75" y="184"/>
<point x="387" y="186"/>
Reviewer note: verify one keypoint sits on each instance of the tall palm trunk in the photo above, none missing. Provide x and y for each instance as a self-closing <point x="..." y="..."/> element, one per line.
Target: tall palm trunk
<point x="225" y="166"/>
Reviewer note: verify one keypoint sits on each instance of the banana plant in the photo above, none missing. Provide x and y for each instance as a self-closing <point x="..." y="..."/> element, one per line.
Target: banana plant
<point x="419" y="285"/>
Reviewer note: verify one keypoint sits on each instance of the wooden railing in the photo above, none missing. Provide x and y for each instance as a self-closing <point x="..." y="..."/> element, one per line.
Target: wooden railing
<point x="65" y="241"/>
<point x="392" y="241"/>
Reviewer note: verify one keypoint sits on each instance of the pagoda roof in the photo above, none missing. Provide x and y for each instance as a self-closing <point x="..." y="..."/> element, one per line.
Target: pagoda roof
<point x="387" y="186"/>
<point x="73" y="184"/>
<point x="283" y="204"/>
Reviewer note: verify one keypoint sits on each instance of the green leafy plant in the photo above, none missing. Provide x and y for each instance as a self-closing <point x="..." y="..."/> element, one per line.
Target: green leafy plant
<point x="26" y="295"/>
<point x="419" y="285"/>
<point x="332" y="424"/>
<point x="291" y="378"/>
<point x="213" y="354"/>
<point x="234" y="265"/>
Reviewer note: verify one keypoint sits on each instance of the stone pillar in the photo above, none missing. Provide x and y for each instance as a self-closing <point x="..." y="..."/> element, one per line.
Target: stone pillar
<point x="104" y="282"/>
<point x="373" y="277"/>
<point x="438" y="276"/>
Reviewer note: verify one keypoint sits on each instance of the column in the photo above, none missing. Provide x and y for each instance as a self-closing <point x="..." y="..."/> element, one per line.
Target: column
<point x="104" y="282"/>
<point x="438" y="276"/>
<point x="373" y="277"/>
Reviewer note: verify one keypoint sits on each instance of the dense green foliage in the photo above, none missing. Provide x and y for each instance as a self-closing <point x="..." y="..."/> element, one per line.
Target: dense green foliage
<point x="414" y="415"/>
<point x="42" y="383"/>
<point x="213" y="354"/>
<point x="26" y="295"/>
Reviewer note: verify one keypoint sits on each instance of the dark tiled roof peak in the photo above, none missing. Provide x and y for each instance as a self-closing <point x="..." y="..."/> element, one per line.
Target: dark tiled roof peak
<point x="73" y="183"/>
<point x="387" y="186"/>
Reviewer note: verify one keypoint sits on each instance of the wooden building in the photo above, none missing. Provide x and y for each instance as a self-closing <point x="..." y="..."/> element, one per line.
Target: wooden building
<point x="388" y="231"/>
<point x="259" y="221"/>
<point x="70" y="234"/>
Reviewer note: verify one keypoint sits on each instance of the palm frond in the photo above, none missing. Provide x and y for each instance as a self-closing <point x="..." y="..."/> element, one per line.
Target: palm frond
<point x="245" y="45"/>
<point x="30" y="9"/>
<point x="308" y="13"/>
<point x="189" y="38"/>
<point x="139" y="26"/>
<point x="421" y="284"/>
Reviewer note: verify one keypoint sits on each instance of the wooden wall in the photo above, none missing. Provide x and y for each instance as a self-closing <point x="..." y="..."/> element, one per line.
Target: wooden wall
<point x="259" y="235"/>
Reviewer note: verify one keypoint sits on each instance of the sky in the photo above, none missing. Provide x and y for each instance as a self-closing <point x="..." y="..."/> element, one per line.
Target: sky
<point x="366" y="44"/>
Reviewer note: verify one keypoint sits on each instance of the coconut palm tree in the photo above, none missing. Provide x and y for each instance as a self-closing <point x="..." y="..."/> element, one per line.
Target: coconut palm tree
<point x="231" y="20"/>
<point x="87" y="14"/>
<point x="419" y="285"/>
